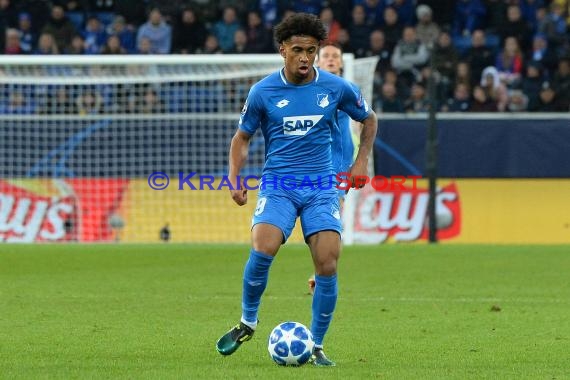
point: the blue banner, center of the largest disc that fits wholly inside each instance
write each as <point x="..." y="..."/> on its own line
<point x="501" y="148"/>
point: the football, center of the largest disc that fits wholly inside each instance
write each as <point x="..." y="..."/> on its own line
<point x="291" y="343"/>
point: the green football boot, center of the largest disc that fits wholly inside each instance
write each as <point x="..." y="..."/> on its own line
<point x="320" y="359"/>
<point x="231" y="341"/>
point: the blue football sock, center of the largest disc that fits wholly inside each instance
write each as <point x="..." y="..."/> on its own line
<point x="324" y="302"/>
<point x="254" y="282"/>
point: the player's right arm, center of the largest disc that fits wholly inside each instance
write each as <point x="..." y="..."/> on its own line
<point x="239" y="149"/>
<point x="249" y="121"/>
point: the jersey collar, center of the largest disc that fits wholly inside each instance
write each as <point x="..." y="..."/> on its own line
<point x="284" y="80"/>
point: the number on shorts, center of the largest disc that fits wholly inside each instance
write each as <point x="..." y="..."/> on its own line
<point x="260" y="206"/>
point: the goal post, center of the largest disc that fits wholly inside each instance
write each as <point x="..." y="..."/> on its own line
<point x="88" y="142"/>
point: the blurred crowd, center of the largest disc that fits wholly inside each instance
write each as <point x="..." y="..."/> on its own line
<point x="488" y="55"/>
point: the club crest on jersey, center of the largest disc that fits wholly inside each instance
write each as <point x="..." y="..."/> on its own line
<point x="299" y="125"/>
<point x="323" y="100"/>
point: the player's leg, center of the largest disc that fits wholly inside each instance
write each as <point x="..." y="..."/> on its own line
<point x="325" y="250"/>
<point x="266" y="239"/>
<point x="322" y="228"/>
<point x="273" y="222"/>
<point x="311" y="281"/>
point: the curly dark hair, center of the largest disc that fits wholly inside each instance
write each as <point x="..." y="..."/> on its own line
<point x="300" y="24"/>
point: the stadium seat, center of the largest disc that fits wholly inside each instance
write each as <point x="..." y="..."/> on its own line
<point x="106" y="18"/>
<point x="77" y="18"/>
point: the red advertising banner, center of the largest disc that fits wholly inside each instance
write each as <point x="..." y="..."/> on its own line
<point x="400" y="214"/>
<point x="56" y="210"/>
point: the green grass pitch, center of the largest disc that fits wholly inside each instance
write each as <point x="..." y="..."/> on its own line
<point x="404" y="312"/>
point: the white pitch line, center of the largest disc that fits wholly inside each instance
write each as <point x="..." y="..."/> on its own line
<point x="352" y="299"/>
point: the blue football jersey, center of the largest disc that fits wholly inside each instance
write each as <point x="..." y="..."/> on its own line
<point x="298" y="121"/>
<point x="342" y="144"/>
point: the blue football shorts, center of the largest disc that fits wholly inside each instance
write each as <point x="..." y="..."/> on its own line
<point x="318" y="209"/>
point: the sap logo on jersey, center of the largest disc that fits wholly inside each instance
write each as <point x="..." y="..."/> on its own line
<point x="299" y="125"/>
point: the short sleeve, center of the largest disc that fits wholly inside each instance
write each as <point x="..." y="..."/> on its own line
<point x="251" y="113"/>
<point x="353" y="103"/>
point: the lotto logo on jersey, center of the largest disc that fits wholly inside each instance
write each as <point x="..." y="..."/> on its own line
<point x="299" y="125"/>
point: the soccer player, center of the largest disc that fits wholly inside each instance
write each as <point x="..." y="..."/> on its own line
<point x="296" y="109"/>
<point x="330" y="59"/>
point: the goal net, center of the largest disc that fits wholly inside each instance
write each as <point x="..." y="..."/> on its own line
<point x="126" y="148"/>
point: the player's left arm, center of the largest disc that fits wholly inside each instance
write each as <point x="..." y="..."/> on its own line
<point x="367" y="136"/>
<point x="358" y="109"/>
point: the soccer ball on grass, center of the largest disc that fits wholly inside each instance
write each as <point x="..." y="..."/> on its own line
<point x="291" y="343"/>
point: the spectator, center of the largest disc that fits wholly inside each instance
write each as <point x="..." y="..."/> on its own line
<point x="27" y="36"/>
<point x="518" y="101"/>
<point x="426" y="29"/>
<point x="445" y="57"/>
<point x="60" y="28"/>
<point x="379" y="49"/>
<point x="516" y="27"/>
<point x="442" y="11"/>
<point x="59" y="102"/>
<point x="469" y="15"/>
<point x="331" y="25"/>
<point x="39" y="12"/>
<point x="494" y="88"/>
<point x="389" y="101"/>
<point x="565" y="6"/>
<point x="77" y="46"/>
<point x="409" y="56"/>
<point x="46" y="45"/>
<point x="463" y="74"/>
<point x="404" y="9"/>
<point x="240" y="43"/>
<point x="402" y="90"/>
<point x="344" y="41"/>
<point x="225" y="29"/>
<point x="548" y="101"/>
<point x="94" y="36"/>
<point x="510" y="62"/>
<point x="259" y="38"/>
<point x="18" y="104"/>
<point x="374" y="12"/>
<point x="392" y="27"/>
<point x="144" y="46"/>
<point x="211" y="46"/>
<point x="541" y="53"/>
<point x="189" y="33"/>
<point x="150" y="103"/>
<point x="561" y="83"/>
<point x="460" y="102"/>
<point x="12" y="45"/>
<point x="418" y="100"/>
<point x="532" y="83"/>
<point x="113" y="46"/>
<point x="481" y="102"/>
<point x="553" y="25"/>
<point x="157" y="31"/>
<point x="479" y="55"/>
<point x="89" y="103"/>
<point x="359" y="32"/>
<point x="124" y="32"/>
